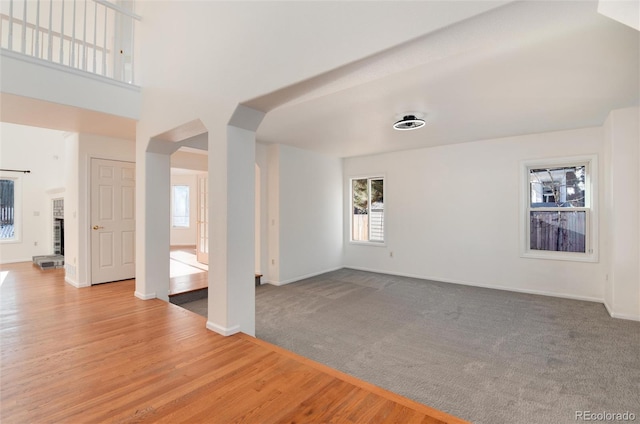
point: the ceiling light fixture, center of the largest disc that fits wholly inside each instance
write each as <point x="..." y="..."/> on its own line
<point x="409" y="122"/>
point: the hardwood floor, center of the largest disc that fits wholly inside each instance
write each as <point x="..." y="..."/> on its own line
<point x="187" y="275"/>
<point x="99" y="354"/>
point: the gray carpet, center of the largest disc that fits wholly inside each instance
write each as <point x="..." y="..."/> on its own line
<point x="487" y="356"/>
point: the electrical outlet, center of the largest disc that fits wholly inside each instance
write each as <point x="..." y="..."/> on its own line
<point x="273" y="261"/>
<point x="35" y="243"/>
<point x="391" y="254"/>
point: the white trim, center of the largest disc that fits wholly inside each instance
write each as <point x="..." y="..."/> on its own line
<point x="144" y="296"/>
<point x="74" y="283"/>
<point x="68" y="69"/>
<point x="222" y="330"/>
<point x="368" y="177"/>
<point x="15" y="261"/>
<point x="620" y="316"/>
<point x="302" y="277"/>
<point x="485" y="286"/>
<point x="591" y="207"/>
<point x="368" y="243"/>
<point x="626" y="316"/>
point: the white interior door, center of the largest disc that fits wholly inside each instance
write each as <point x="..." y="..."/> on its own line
<point x="202" y="244"/>
<point x="112" y="220"/>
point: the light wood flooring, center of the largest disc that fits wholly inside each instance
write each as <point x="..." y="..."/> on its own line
<point x="99" y="354"/>
<point x="187" y="275"/>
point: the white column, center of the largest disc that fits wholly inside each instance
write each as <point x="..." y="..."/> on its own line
<point x="232" y="226"/>
<point x="153" y="279"/>
<point x="623" y="154"/>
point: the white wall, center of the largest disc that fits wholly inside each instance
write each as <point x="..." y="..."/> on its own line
<point x="622" y="145"/>
<point x="71" y="207"/>
<point x="248" y="36"/>
<point x="262" y="223"/>
<point x="81" y="148"/>
<point x="452" y="214"/>
<point x="42" y="152"/>
<point x="186" y="236"/>
<point x="67" y="86"/>
<point x="307" y="188"/>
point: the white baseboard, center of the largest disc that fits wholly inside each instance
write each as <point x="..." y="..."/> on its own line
<point x="613" y="314"/>
<point x="15" y="261"/>
<point x="223" y="330"/>
<point x="626" y="316"/>
<point x="486" y="286"/>
<point x="302" y="277"/>
<point x="145" y="296"/>
<point x="74" y="283"/>
<point x="608" y="308"/>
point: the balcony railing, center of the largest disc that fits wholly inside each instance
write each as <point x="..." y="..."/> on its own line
<point x="95" y="36"/>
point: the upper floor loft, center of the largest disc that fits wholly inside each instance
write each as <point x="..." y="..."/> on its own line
<point x="76" y="54"/>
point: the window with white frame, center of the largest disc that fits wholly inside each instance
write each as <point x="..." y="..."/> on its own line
<point x="559" y="209"/>
<point x="10" y="209"/>
<point x="367" y="209"/>
<point x="180" y="206"/>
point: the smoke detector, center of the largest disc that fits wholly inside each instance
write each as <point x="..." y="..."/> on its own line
<point x="410" y="121"/>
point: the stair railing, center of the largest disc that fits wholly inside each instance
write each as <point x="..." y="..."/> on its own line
<point x="95" y="36"/>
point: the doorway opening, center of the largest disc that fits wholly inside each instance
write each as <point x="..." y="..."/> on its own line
<point x="189" y="241"/>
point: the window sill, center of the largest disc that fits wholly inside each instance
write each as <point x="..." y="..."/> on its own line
<point x="368" y="243"/>
<point x="560" y="256"/>
<point x="10" y="241"/>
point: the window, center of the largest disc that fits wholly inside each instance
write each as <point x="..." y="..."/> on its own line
<point x="367" y="210"/>
<point x="180" y="206"/>
<point x="559" y="209"/>
<point x="9" y="209"/>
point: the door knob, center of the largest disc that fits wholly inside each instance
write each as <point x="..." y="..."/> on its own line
<point x="97" y="227"/>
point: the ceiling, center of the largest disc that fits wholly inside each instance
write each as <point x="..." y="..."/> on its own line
<point x="517" y="67"/>
<point x="43" y="114"/>
<point x="527" y="67"/>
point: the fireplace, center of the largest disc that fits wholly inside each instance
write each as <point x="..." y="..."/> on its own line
<point x="58" y="236"/>
<point x="58" y="227"/>
<point x="57" y="259"/>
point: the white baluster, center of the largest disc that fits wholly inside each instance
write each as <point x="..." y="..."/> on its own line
<point x="23" y="48"/>
<point x="131" y="47"/>
<point x="84" y="39"/>
<point x="50" y="44"/>
<point x="37" y="52"/>
<point x="104" y="47"/>
<point x="62" y="34"/>
<point x="72" y="58"/>
<point x="95" y="34"/>
<point x="116" y="53"/>
<point x="10" y="24"/>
